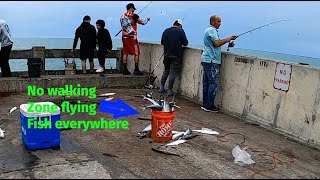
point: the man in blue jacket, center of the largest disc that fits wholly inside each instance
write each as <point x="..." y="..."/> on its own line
<point x="173" y="39"/>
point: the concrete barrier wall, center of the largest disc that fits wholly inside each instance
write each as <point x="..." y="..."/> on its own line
<point x="246" y="90"/>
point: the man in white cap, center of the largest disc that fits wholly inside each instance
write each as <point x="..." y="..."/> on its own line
<point x="172" y="39"/>
<point x="5" y="48"/>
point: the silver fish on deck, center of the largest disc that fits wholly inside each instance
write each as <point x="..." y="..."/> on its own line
<point x="13" y="109"/>
<point x="106" y="94"/>
<point x="1" y="133"/>
<point x="151" y="100"/>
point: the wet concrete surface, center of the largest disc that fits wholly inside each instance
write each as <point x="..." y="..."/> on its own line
<point x="118" y="153"/>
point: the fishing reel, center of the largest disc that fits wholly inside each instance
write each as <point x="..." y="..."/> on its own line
<point x="230" y="45"/>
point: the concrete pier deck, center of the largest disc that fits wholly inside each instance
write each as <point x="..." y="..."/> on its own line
<point x="118" y="153"/>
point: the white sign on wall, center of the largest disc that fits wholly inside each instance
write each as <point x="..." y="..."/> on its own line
<point x="282" y="76"/>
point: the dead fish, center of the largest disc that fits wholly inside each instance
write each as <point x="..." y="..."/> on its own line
<point x="149" y="95"/>
<point x="151" y="100"/>
<point x="145" y="134"/>
<point x="13" y="109"/>
<point x="207" y="131"/>
<point x="1" y="133"/>
<point x="188" y="132"/>
<point x="177" y="135"/>
<point x="153" y="106"/>
<point x="174" y="143"/>
<point x="107" y="94"/>
<point x="148" y="128"/>
<point x="175" y="132"/>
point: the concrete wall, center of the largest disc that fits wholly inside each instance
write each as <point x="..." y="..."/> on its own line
<point x="246" y="90"/>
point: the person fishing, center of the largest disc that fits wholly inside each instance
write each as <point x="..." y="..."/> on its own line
<point x="129" y="38"/>
<point x="104" y="43"/>
<point x="211" y="61"/>
<point x="172" y="39"/>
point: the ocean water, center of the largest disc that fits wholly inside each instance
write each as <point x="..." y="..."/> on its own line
<point x="66" y="43"/>
<point x="54" y="43"/>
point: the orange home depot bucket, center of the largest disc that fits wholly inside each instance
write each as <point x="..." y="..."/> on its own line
<point x="162" y="125"/>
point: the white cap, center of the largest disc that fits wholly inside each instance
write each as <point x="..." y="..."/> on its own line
<point x="179" y="21"/>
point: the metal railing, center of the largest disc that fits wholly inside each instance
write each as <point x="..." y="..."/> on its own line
<point x="43" y="53"/>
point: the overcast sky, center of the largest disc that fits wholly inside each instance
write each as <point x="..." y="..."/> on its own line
<point x="59" y="19"/>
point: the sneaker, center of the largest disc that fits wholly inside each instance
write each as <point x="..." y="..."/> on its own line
<point x="100" y="70"/>
<point x="213" y="109"/>
<point x="170" y="93"/>
<point x="161" y="90"/>
<point x="137" y="72"/>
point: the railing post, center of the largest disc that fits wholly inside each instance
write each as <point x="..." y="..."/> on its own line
<point x="39" y="52"/>
<point x="120" y="60"/>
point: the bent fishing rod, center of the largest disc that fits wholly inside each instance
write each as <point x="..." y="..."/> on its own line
<point x="138" y="14"/>
<point x="231" y="43"/>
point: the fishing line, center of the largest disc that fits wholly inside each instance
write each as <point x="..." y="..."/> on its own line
<point x="231" y="43"/>
<point x="261" y="152"/>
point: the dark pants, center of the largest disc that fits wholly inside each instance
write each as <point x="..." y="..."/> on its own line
<point x="172" y="67"/>
<point x="4" y="61"/>
<point x="102" y="58"/>
<point x="86" y="53"/>
<point x="210" y="83"/>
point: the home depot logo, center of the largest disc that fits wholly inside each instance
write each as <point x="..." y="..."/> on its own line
<point x="164" y="129"/>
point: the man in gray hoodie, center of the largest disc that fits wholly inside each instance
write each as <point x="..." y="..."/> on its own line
<point x="5" y="48"/>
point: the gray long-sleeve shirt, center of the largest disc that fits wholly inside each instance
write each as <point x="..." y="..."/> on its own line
<point x="5" y="35"/>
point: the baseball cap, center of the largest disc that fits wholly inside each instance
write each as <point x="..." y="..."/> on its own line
<point x="179" y="21"/>
<point x="131" y="5"/>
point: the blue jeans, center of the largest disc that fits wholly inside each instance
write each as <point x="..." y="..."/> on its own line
<point x="210" y="83"/>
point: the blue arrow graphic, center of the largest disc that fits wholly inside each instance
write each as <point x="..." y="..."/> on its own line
<point x="118" y="108"/>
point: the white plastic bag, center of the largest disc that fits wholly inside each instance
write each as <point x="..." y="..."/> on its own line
<point x="241" y="156"/>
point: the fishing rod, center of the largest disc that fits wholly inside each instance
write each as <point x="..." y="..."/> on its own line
<point x="138" y="14"/>
<point x="231" y="43"/>
<point x="152" y="78"/>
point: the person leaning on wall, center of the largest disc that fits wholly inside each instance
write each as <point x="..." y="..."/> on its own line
<point x="211" y="61"/>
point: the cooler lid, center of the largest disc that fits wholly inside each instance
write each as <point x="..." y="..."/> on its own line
<point x="24" y="109"/>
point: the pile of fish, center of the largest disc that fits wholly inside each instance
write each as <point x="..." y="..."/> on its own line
<point x="161" y="105"/>
<point x="177" y="136"/>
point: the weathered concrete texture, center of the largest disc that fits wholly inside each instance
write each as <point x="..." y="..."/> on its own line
<point x="118" y="153"/>
<point x="246" y="90"/>
<point x="16" y="84"/>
